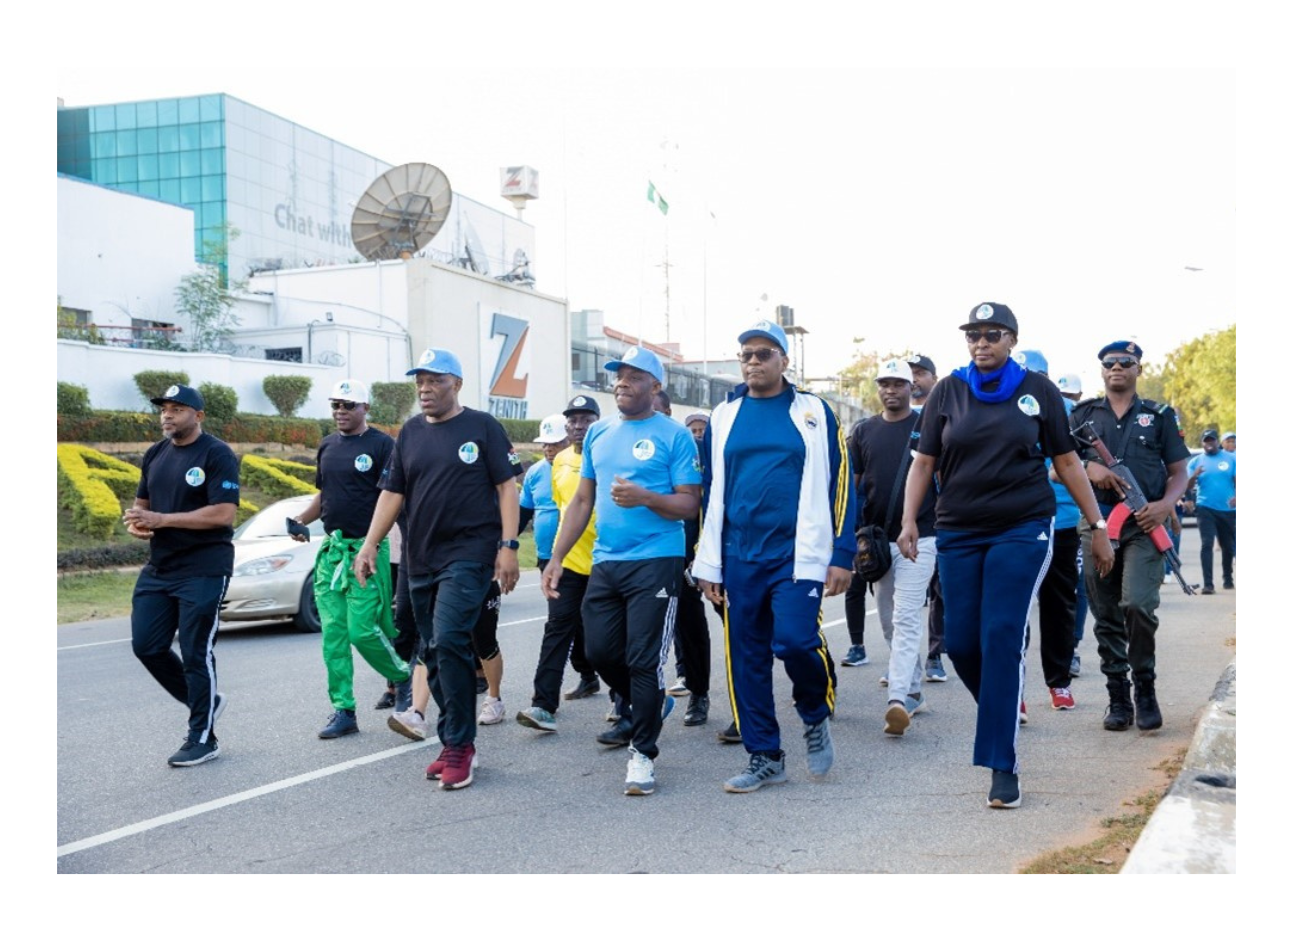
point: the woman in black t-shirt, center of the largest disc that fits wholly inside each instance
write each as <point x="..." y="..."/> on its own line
<point x="986" y="431"/>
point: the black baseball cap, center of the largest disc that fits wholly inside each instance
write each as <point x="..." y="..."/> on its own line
<point x="923" y="361"/>
<point x="582" y="402"/>
<point x="992" y="313"/>
<point x="1208" y="434"/>
<point x="182" y="394"/>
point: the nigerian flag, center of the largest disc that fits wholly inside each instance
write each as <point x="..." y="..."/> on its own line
<point x="657" y="198"/>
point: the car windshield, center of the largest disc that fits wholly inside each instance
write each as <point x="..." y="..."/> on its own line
<point x="271" y="522"/>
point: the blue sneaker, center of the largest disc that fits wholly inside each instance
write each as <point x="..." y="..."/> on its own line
<point x="403" y="695"/>
<point x="821" y="752"/>
<point x="667" y="708"/>
<point x="915" y="704"/>
<point x="856" y="657"/>
<point x="536" y="717"/>
<point x="340" y="723"/>
<point x="934" y="671"/>
<point x="762" y="770"/>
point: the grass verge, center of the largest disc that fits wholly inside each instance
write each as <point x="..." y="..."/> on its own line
<point x="93" y="596"/>
<point x="1108" y="852"/>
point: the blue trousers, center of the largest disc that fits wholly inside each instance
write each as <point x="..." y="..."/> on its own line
<point x="771" y="615"/>
<point x="989" y="580"/>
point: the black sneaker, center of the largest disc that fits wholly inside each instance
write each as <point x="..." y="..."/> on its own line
<point x="1005" y="790"/>
<point x="730" y="735"/>
<point x="387" y="701"/>
<point x="619" y="735"/>
<point x="1208" y="590"/>
<point x="194" y="753"/>
<point x="340" y="723"/>
<point x="482" y="685"/>
<point x="1228" y="585"/>
<point x="697" y="711"/>
<point x="586" y="686"/>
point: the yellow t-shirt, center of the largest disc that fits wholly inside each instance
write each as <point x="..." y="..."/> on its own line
<point x="566" y="468"/>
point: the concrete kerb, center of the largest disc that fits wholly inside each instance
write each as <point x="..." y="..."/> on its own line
<point x="1192" y="831"/>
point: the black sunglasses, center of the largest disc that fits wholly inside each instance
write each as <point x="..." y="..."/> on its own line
<point x="1124" y="361"/>
<point x="993" y="335"/>
<point x="762" y="354"/>
<point x="344" y="405"/>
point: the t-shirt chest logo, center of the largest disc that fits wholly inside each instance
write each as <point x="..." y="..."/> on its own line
<point x="810" y="420"/>
<point x="1028" y="404"/>
<point x="1145" y="420"/>
<point x="469" y="453"/>
<point x="644" y="449"/>
<point x="195" y="476"/>
<point x="1223" y="466"/>
<point x="363" y="463"/>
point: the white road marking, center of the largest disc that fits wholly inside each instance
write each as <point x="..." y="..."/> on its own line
<point x="214" y="805"/>
<point x="121" y="640"/>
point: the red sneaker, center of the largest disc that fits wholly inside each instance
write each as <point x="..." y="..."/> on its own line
<point x="1023" y="712"/>
<point x="1062" y="698"/>
<point x="459" y="763"/>
<point x="435" y="769"/>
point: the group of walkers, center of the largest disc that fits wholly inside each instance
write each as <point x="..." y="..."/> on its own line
<point x="974" y="484"/>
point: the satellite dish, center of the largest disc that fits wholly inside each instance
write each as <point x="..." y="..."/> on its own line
<point x="401" y="211"/>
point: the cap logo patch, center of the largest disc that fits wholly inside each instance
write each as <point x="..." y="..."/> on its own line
<point x="469" y="453"/>
<point x="644" y="449"/>
<point x="1145" y="420"/>
<point x="1028" y="404"/>
<point x="631" y="353"/>
<point x="580" y="401"/>
<point x="428" y="356"/>
<point x="1020" y="359"/>
<point x="983" y="312"/>
<point x="195" y="476"/>
<point x="363" y="463"/>
<point x="173" y="390"/>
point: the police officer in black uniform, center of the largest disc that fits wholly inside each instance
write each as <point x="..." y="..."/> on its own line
<point x="1144" y="435"/>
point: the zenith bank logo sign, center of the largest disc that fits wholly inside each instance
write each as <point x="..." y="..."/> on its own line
<point x="510" y="335"/>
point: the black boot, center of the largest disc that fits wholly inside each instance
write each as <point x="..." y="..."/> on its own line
<point x="1147" y="712"/>
<point x="1120" y="712"/>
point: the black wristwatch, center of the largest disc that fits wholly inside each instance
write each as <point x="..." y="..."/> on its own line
<point x="512" y="544"/>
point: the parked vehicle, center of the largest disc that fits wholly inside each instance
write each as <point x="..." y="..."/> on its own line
<point x="273" y="574"/>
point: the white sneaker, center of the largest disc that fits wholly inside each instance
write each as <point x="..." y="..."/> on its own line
<point x="640" y="779"/>
<point x="679" y="688"/>
<point x="408" y="723"/>
<point x="491" y="712"/>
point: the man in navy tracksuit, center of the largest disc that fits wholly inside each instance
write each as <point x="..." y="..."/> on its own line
<point x="776" y="537"/>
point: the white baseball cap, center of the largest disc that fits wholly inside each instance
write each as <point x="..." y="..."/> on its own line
<point x="349" y="390"/>
<point x="895" y="368"/>
<point x="552" y="429"/>
<point x="1070" y="384"/>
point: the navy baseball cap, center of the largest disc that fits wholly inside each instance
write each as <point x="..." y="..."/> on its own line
<point x="769" y="330"/>
<point x="1122" y="348"/>
<point x="923" y="361"/>
<point x="182" y="394"/>
<point x="991" y="313"/>
<point x="583" y="403"/>
<point x="1208" y="434"/>
<point x="437" y="361"/>
<point x="639" y="358"/>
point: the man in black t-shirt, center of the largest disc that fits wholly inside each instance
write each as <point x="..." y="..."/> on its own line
<point x="880" y="454"/>
<point x="456" y="470"/>
<point x="1144" y="435"/>
<point x="185" y="507"/>
<point x="348" y="475"/>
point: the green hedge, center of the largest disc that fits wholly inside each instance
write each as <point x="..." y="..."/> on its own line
<point x="73" y="399"/>
<point x="392" y="402"/>
<point x="153" y="384"/>
<point x="105" y="556"/>
<point x="520" y="431"/>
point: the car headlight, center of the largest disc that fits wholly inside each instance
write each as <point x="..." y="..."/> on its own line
<point x="262" y="566"/>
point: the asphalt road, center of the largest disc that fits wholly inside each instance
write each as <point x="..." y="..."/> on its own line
<point x="279" y="800"/>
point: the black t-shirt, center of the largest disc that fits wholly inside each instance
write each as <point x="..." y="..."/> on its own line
<point x="990" y="457"/>
<point x="349" y="476"/>
<point x="876" y="451"/>
<point x="448" y="474"/>
<point x="185" y="479"/>
<point x="1152" y="441"/>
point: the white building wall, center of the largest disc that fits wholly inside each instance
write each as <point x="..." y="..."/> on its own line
<point x="120" y="255"/>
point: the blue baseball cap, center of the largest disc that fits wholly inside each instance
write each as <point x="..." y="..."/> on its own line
<point x="769" y="330"/>
<point x="1033" y="360"/>
<point x="437" y="361"/>
<point x="639" y="358"/>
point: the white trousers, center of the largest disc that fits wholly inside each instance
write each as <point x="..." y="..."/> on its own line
<point x="900" y="601"/>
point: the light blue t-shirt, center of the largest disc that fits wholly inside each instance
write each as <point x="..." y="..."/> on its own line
<point x="658" y="454"/>
<point x="1215" y="486"/>
<point x="536" y="494"/>
<point x="1067" y="513"/>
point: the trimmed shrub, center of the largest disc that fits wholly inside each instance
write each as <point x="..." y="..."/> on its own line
<point x="278" y="478"/>
<point x="221" y="401"/>
<point x="287" y="392"/>
<point x="153" y="384"/>
<point x="392" y="402"/>
<point x="257" y="428"/>
<point x="520" y="431"/>
<point x="121" y="477"/>
<point x="105" y="556"/>
<point x="73" y="400"/>
<point x="95" y="508"/>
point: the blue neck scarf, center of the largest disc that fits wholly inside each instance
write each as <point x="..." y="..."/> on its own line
<point x="1010" y="375"/>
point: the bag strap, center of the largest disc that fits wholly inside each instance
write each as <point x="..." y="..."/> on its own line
<point x="898" y="483"/>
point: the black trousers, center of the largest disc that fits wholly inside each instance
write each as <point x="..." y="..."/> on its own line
<point x="629" y="610"/>
<point x="692" y="636"/>
<point x="1219" y="525"/>
<point x="855" y="609"/>
<point x="935" y="616"/>
<point x="565" y="624"/>
<point x="1057" y="608"/>
<point x="187" y="608"/>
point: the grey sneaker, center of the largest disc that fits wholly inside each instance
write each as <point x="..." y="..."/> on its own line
<point x="491" y="712"/>
<point x="679" y="688"/>
<point x="934" y="671"/>
<point x="408" y="723"/>
<point x="194" y="753"/>
<point x="896" y="720"/>
<point x="340" y="723"/>
<point x="536" y="717"/>
<point x="1075" y="668"/>
<point x="821" y="752"/>
<point x="640" y="779"/>
<point x="762" y="770"/>
<point x="403" y="695"/>
<point x="856" y="657"/>
<point x="915" y="703"/>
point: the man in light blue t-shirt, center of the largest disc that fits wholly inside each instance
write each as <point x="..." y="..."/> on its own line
<point x="536" y="489"/>
<point x="642" y="478"/>
<point x="1212" y="472"/>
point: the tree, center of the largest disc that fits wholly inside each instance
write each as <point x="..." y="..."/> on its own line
<point x="1199" y="381"/>
<point x="858" y="378"/>
<point x="206" y="297"/>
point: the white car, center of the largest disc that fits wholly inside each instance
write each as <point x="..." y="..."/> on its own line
<point x="273" y="574"/>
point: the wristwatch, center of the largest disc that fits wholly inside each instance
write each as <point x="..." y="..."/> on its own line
<point x="1100" y="524"/>
<point x="509" y="544"/>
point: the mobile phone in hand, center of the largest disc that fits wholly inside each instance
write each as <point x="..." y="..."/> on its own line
<point x="295" y="528"/>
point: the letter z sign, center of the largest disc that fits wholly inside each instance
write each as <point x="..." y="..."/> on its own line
<point x="507" y="380"/>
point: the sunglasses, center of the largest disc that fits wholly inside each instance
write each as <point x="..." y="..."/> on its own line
<point x="344" y="405"/>
<point x="757" y="354"/>
<point x="993" y="335"/>
<point x="1123" y="362"/>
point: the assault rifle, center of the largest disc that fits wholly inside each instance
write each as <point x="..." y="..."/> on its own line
<point x="1133" y="500"/>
